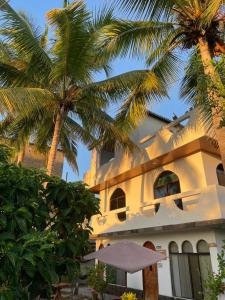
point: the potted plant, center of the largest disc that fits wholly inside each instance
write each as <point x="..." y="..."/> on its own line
<point x="97" y="280"/>
<point x="129" y="296"/>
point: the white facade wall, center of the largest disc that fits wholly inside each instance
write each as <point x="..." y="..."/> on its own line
<point x="161" y="242"/>
<point x="203" y="199"/>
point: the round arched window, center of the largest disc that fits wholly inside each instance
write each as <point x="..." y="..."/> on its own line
<point x="168" y="184"/>
<point x="202" y="247"/>
<point x="187" y="247"/>
<point x="220" y="175"/>
<point x="118" y="200"/>
<point x="173" y="248"/>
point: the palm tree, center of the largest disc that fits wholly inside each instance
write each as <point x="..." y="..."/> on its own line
<point x="171" y="26"/>
<point x="48" y="92"/>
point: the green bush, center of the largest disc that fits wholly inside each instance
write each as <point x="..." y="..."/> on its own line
<point x="216" y="281"/>
<point x="98" y="278"/>
<point x="44" y="230"/>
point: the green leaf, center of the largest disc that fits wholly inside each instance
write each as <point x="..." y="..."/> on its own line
<point x="12" y="258"/>
<point x="7" y="236"/>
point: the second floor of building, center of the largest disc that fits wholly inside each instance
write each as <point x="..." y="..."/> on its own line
<point x="188" y="190"/>
<point x="179" y="182"/>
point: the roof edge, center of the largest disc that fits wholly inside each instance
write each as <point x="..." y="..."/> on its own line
<point x="156" y="116"/>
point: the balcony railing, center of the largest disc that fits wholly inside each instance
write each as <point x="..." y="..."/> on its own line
<point x="188" y="200"/>
<point x="198" y="205"/>
<point x="170" y="137"/>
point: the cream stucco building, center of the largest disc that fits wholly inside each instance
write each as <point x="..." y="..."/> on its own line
<point x="168" y="196"/>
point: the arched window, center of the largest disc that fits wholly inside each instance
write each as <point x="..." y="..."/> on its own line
<point x="220" y="175"/>
<point x="189" y="270"/>
<point x="174" y="268"/>
<point x="118" y="200"/>
<point x="202" y="247"/>
<point x="168" y="184"/>
<point x="204" y="262"/>
<point x="187" y="247"/>
<point x="107" y="153"/>
<point x="173" y="248"/>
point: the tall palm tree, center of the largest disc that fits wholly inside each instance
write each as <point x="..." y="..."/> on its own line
<point x="170" y="26"/>
<point x="51" y="94"/>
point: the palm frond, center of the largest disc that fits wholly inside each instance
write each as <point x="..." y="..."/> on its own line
<point x="194" y="83"/>
<point x="124" y="37"/>
<point x="212" y="9"/>
<point x="101" y="18"/>
<point x="69" y="148"/>
<point x="77" y="132"/>
<point x="21" y="99"/>
<point x="17" y="29"/>
<point x="147" y="8"/>
<point x="118" y="87"/>
<point x="134" y="108"/>
<point x="71" y="47"/>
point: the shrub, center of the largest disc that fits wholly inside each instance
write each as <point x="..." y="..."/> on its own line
<point x="98" y="279"/>
<point x="44" y="229"/>
<point x="216" y="281"/>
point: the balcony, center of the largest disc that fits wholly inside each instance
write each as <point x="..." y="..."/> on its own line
<point x="182" y="137"/>
<point x="207" y="204"/>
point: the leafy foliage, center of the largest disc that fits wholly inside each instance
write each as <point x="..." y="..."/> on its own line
<point x="49" y="89"/>
<point x="5" y="153"/>
<point x="72" y="206"/>
<point x="215" y="284"/>
<point x="98" y="278"/>
<point x="168" y="28"/>
<point x="43" y="230"/>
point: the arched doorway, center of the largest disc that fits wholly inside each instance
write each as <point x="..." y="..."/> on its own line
<point x="150" y="278"/>
<point x="100" y="246"/>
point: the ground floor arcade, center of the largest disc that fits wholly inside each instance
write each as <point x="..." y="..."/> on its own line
<point x="190" y="256"/>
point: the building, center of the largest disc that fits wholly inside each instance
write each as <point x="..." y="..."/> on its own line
<point x="169" y="196"/>
<point x="35" y="159"/>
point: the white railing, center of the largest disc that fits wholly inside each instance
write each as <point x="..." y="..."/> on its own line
<point x="111" y="213"/>
<point x="203" y="204"/>
<point x="149" y="147"/>
<point x="186" y="197"/>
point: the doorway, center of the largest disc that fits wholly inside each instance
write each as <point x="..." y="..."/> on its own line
<point x="150" y="278"/>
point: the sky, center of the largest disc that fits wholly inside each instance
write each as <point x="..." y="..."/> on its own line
<point x="37" y="10"/>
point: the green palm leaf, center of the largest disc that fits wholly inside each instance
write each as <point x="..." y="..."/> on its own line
<point x="19" y="31"/>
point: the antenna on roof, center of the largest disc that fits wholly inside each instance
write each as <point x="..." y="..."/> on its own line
<point x="174" y="117"/>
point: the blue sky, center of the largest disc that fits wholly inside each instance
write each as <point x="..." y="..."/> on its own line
<point x="37" y="9"/>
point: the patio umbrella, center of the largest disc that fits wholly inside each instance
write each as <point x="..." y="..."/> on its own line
<point x="127" y="256"/>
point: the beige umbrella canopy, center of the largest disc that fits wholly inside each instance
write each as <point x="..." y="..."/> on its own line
<point x="127" y="256"/>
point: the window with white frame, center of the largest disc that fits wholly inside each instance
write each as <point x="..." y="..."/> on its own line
<point x="118" y="200"/>
<point x="167" y="184"/>
<point x="189" y="270"/>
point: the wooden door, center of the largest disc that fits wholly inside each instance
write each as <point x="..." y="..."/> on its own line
<point x="150" y="278"/>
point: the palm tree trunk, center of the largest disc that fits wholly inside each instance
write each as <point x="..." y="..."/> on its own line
<point x="218" y="101"/>
<point x="55" y="142"/>
<point x="21" y="154"/>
